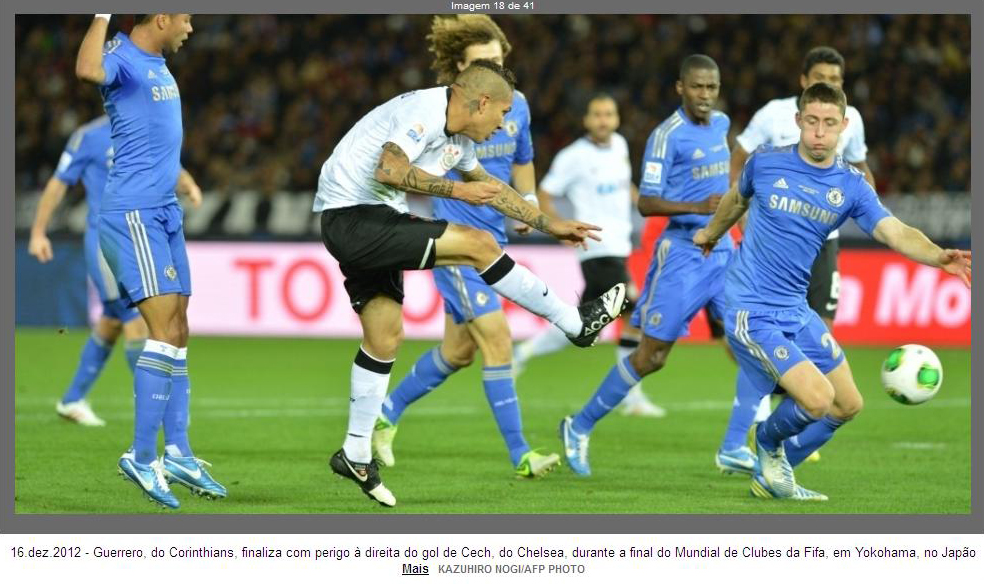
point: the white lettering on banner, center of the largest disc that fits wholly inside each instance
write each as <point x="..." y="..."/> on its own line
<point x="952" y="307"/>
<point x="920" y="300"/>
<point x="850" y="301"/>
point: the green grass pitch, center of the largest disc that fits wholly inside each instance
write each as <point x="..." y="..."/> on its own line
<point x="268" y="412"/>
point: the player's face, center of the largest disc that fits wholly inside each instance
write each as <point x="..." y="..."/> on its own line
<point x="490" y="118"/>
<point x="823" y="73"/>
<point x="176" y="30"/>
<point x="699" y="89"/>
<point x="491" y="50"/>
<point x="820" y="125"/>
<point x="601" y="119"/>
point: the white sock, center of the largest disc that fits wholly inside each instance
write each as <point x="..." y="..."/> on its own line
<point x="764" y="409"/>
<point x="370" y="378"/>
<point x="549" y="340"/>
<point x="635" y="394"/>
<point x="527" y="290"/>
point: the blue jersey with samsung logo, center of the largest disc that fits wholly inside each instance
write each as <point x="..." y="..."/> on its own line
<point x="88" y="157"/>
<point x="793" y="207"/>
<point x="510" y="145"/>
<point x="144" y="107"/>
<point x="687" y="162"/>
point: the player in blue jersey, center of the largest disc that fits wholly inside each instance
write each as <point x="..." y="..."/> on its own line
<point x="474" y="319"/>
<point x="795" y="196"/>
<point x="88" y="157"/>
<point x="141" y="237"/>
<point x="684" y="173"/>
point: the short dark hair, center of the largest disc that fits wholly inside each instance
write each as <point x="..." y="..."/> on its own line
<point x="818" y="55"/>
<point x="143" y="18"/>
<point x="823" y="93"/>
<point x="696" y="61"/>
<point x="598" y="96"/>
<point x="496" y="68"/>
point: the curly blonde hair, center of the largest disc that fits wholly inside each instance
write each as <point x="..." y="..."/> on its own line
<point x="451" y="35"/>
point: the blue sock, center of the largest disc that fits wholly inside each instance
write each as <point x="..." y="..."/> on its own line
<point x="427" y="373"/>
<point x="500" y="390"/>
<point x="133" y="350"/>
<point x="151" y="389"/>
<point x="747" y="398"/>
<point x="176" y="413"/>
<point x="619" y="381"/>
<point x="815" y="435"/>
<point x="786" y="420"/>
<point x="94" y="355"/>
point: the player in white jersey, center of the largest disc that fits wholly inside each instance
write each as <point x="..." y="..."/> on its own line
<point x="594" y="172"/>
<point x="775" y="125"/>
<point x="408" y="144"/>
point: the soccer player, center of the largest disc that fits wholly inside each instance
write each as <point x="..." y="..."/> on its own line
<point x="141" y="237"/>
<point x="88" y="157"/>
<point x="595" y="174"/>
<point x="795" y="196"/>
<point x="684" y="172"/>
<point x="474" y="318"/>
<point x="775" y="125"/>
<point x="408" y="144"/>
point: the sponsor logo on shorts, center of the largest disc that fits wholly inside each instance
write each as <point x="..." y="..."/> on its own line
<point x="171" y="273"/>
<point x="481" y="298"/>
<point x="655" y="318"/>
<point x="781" y="353"/>
<point x="835" y="197"/>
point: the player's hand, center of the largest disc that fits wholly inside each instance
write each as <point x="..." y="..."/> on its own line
<point x="574" y="231"/>
<point x="194" y="194"/>
<point x="956" y="262"/>
<point x="522" y="228"/>
<point x="709" y="205"/>
<point x="477" y="192"/>
<point x="703" y="240"/>
<point x="40" y="247"/>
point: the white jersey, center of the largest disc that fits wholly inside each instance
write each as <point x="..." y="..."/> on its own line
<point x="413" y="121"/>
<point x="598" y="181"/>
<point x="775" y="125"/>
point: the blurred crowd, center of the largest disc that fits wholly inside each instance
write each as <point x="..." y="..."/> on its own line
<point x="266" y="98"/>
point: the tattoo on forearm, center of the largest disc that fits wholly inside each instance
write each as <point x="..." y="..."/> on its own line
<point x="393" y="163"/>
<point x="512" y="205"/>
<point x="421" y="182"/>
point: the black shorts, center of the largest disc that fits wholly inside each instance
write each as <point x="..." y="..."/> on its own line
<point x="374" y="244"/>
<point x="825" y="281"/>
<point x="600" y="274"/>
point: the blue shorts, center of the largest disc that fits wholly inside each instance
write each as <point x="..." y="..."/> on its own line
<point x="768" y="343"/>
<point x="466" y="295"/>
<point x="145" y="250"/>
<point x="104" y="281"/>
<point x="679" y="283"/>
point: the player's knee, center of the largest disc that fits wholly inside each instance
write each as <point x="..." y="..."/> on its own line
<point x="847" y="409"/>
<point x="459" y="357"/>
<point x="819" y="399"/>
<point x="646" y="362"/>
<point x="483" y="249"/>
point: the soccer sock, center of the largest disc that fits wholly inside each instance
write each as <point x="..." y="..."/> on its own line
<point x="815" y="435"/>
<point x="549" y="340"/>
<point x="370" y="376"/>
<point x="151" y="389"/>
<point x="428" y="372"/>
<point x="620" y="379"/>
<point x="176" y="412"/>
<point x="786" y="420"/>
<point x="133" y="349"/>
<point x="747" y="399"/>
<point x="763" y="408"/>
<point x="500" y="390"/>
<point x="94" y="355"/>
<point x="625" y="347"/>
<point x="523" y="287"/>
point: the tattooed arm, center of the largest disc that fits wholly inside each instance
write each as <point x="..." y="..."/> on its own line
<point x="509" y="202"/>
<point x="394" y="169"/>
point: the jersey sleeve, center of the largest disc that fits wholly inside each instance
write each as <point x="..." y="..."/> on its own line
<point x="657" y="162"/>
<point x="867" y="210"/>
<point x="757" y="132"/>
<point x="73" y="160"/>
<point x="746" y="186"/>
<point x="412" y="129"/>
<point x="560" y="175"/>
<point x="468" y="160"/>
<point x="856" y="150"/>
<point x="113" y="63"/>
<point x="524" y="140"/>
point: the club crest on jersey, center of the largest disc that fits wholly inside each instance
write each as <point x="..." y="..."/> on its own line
<point x="481" y="299"/>
<point x="451" y="156"/>
<point x="781" y="353"/>
<point x="835" y="197"/>
<point x="171" y="273"/>
<point x="511" y="128"/>
<point x="416" y="132"/>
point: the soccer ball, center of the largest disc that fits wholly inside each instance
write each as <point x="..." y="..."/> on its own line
<point x="912" y="374"/>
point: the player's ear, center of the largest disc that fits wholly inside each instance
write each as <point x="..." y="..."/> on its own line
<point x="803" y="82"/>
<point x="679" y="87"/>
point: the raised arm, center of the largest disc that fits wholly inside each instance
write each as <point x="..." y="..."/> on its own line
<point x="89" y="63"/>
<point x="914" y="245"/>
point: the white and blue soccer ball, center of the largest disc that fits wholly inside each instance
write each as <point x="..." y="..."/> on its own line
<point x="912" y="374"/>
